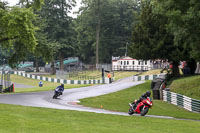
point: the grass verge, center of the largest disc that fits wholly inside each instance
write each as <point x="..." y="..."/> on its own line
<point x="122" y="74"/>
<point x="33" y="82"/>
<point x="188" y="86"/>
<point x="151" y="72"/>
<point x="19" y="119"/>
<point x="118" y="101"/>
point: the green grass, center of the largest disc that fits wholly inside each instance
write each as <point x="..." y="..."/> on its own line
<point x="151" y="72"/>
<point x="33" y="82"/>
<point x="122" y="74"/>
<point x="19" y="119"/>
<point x="188" y="86"/>
<point x="118" y="101"/>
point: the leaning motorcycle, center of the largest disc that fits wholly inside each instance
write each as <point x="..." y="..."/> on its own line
<point x="56" y="94"/>
<point x="142" y="107"/>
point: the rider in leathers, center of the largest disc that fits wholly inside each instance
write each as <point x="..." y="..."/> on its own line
<point x="144" y="96"/>
<point x="60" y="88"/>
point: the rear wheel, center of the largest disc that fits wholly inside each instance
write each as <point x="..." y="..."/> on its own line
<point x="144" y="112"/>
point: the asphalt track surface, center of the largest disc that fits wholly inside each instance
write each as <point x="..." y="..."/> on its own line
<point x="71" y="96"/>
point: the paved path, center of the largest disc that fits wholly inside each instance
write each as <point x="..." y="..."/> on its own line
<point x="70" y="96"/>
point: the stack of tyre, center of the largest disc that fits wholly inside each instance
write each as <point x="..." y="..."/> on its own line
<point x="157" y="85"/>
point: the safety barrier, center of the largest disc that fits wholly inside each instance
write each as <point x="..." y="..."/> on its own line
<point x="145" y="77"/>
<point x="182" y="101"/>
<point x="58" y="80"/>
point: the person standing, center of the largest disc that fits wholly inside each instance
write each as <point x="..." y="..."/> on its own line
<point x="109" y="77"/>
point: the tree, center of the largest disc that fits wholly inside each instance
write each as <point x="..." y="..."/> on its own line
<point x="59" y="26"/>
<point x="104" y="28"/>
<point x="37" y="4"/>
<point x="183" y="24"/>
<point x="152" y="40"/>
<point x="17" y="31"/>
<point x="42" y="46"/>
<point x="98" y="26"/>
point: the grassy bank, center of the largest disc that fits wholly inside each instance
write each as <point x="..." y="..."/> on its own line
<point x="189" y="86"/>
<point x="118" y="101"/>
<point x="19" y="119"/>
<point x="119" y="74"/>
<point x="151" y="72"/>
<point x="34" y="82"/>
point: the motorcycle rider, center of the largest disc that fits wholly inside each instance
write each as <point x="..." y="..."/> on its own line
<point x="144" y="96"/>
<point x="60" y="88"/>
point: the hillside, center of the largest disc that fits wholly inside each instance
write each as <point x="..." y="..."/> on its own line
<point x="188" y="86"/>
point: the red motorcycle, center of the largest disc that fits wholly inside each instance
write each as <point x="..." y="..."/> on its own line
<point x="142" y="107"/>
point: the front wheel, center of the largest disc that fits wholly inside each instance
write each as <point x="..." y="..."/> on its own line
<point x="54" y="96"/>
<point x="144" y="112"/>
<point x="130" y="111"/>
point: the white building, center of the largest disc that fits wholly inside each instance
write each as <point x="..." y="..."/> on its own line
<point x="130" y="64"/>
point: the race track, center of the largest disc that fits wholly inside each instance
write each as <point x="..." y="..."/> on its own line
<point x="71" y="96"/>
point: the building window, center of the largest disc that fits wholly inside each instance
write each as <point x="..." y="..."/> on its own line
<point x="138" y="62"/>
<point x="121" y="62"/>
<point x="124" y="62"/>
<point x="145" y="62"/>
<point x="133" y="62"/>
<point x="127" y="62"/>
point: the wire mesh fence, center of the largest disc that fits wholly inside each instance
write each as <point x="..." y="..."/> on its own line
<point x="5" y="81"/>
<point x="79" y="75"/>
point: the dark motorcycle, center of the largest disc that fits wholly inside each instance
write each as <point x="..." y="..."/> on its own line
<point x="142" y="107"/>
<point x="56" y="94"/>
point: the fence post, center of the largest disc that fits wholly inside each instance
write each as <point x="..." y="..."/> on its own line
<point x="103" y="78"/>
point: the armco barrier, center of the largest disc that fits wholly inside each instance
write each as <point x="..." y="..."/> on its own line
<point x="182" y="101"/>
<point x="58" y="80"/>
<point x="145" y="77"/>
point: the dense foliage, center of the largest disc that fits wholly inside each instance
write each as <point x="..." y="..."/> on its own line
<point x="17" y="32"/>
<point x="58" y="29"/>
<point x="165" y="29"/>
<point x="113" y="19"/>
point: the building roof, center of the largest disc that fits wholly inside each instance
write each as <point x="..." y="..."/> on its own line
<point x="122" y="58"/>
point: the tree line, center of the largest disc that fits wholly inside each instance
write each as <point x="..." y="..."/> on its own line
<point x="168" y="30"/>
<point x="43" y="31"/>
<point x="102" y="29"/>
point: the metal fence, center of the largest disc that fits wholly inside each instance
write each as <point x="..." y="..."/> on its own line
<point x="55" y="80"/>
<point x="138" y="67"/>
<point x="145" y="77"/>
<point x="130" y="68"/>
<point x="77" y="75"/>
<point x="182" y="101"/>
<point x="61" y="74"/>
<point x="5" y="81"/>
